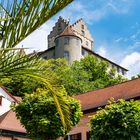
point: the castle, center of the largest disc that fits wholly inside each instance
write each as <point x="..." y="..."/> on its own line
<point x="73" y="42"/>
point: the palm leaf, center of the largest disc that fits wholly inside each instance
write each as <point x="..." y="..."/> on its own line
<point x="14" y="64"/>
<point x="22" y="17"/>
<point x="18" y="19"/>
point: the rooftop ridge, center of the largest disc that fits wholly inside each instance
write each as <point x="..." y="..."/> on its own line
<point x="126" y="90"/>
<point x="108" y="86"/>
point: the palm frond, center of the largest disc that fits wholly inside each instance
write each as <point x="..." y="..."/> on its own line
<point x="18" y="19"/>
<point x="22" y="17"/>
<point x="14" y="64"/>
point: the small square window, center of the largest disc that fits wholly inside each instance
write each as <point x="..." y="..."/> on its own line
<point x="83" y="52"/>
<point x="75" y="136"/>
<point x="45" y="57"/>
<point x="57" y="42"/>
<point x="66" y="40"/>
<point x="86" y="43"/>
<point x="59" y="25"/>
<point x="83" y="33"/>
<point x="118" y="69"/>
<point x="66" y="55"/>
<point x="82" y="26"/>
<point x="123" y="72"/>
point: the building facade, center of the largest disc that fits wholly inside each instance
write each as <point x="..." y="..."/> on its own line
<point x="73" y="42"/>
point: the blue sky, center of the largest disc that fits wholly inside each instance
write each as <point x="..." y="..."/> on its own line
<point x="114" y="25"/>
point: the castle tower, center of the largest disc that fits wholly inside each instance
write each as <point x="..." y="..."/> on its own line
<point x="68" y="45"/>
<point x="73" y="42"/>
<point x="59" y="27"/>
<point x="81" y="30"/>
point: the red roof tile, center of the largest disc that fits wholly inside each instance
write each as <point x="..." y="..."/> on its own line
<point x="68" y="32"/>
<point x="18" y="98"/>
<point x="97" y="98"/>
<point x="8" y="121"/>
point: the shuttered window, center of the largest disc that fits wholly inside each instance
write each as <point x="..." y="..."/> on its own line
<point x="74" y="137"/>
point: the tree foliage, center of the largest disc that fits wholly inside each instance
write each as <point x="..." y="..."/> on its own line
<point x="117" y="121"/>
<point x="87" y="74"/>
<point x="38" y="113"/>
<point x="18" y="19"/>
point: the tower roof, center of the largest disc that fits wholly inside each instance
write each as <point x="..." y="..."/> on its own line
<point x="68" y="32"/>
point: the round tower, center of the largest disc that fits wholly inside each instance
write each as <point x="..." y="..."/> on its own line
<point x="68" y="45"/>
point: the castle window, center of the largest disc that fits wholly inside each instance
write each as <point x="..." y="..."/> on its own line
<point x="82" y="26"/>
<point x="113" y="66"/>
<point x="83" y="33"/>
<point x="59" y="29"/>
<point x="66" y="55"/>
<point x="57" y="42"/>
<point x="45" y="57"/>
<point x="83" y="52"/>
<point x="66" y="40"/>
<point x="77" y="41"/>
<point x="118" y="69"/>
<point x="59" y="25"/>
<point x="75" y="136"/>
<point x="123" y="72"/>
<point x="86" y="43"/>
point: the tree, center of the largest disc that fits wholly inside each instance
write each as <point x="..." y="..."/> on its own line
<point x="117" y="121"/>
<point x="37" y="112"/>
<point x="19" y="86"/>
<point x="53" y="70"/>
<point x="89" y="74"/>
<point x="18" y="19"/>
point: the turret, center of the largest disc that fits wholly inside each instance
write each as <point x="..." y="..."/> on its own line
<point x="68" y="45"/>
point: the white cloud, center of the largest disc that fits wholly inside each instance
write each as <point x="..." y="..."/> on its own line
<point x="38" y="39"/>
<point x="102" y="51"/>
<point x="118" y="39"/>
<point x="120" y="7"/>
<point x="132" y="63"/>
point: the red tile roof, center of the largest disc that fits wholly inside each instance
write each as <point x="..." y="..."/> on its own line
<point x="19" y="99"/>
<point x="68" y="32"/>
<point x="97" y="98"/>
<point x="8" y="121"/>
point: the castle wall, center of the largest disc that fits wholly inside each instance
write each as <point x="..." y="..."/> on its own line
<point x="81" y="30"/>
<point x="59" y="27"/>
<point x="71" y="50"/>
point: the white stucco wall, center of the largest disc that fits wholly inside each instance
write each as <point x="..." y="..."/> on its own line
<point x="6" y="102"/>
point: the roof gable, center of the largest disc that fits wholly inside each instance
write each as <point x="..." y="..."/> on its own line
<point x="8" y="121"/>
<point x="6" y="94"/>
